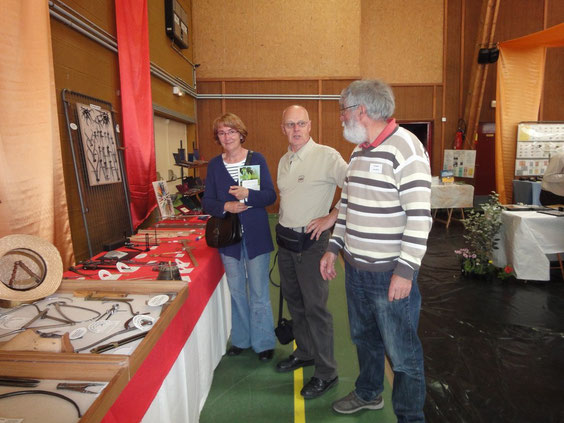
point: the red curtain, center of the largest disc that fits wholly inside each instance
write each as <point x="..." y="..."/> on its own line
<point x="137" y="108"/>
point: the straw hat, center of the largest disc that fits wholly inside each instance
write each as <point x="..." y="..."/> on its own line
<point x="30" y="268"/>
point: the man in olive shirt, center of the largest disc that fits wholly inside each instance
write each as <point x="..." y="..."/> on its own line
<point x="308" y="175"/>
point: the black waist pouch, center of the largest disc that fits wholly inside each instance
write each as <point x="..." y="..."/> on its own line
<point x="291" y="240"/>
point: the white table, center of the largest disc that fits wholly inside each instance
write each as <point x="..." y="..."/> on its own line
<point x="450" y="197"/>
<point x="527" y="238"/>
<point x="185" y="389"/>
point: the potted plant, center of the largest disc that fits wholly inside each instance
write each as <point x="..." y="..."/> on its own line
<point x="481" y="233"/>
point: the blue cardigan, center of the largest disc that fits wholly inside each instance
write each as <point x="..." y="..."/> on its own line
<point x="256" y="230"/>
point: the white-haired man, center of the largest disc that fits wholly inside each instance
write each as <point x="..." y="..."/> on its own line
<point x="382" y="227"/>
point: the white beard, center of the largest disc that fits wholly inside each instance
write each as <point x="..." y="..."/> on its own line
<point x="354" y="132"/>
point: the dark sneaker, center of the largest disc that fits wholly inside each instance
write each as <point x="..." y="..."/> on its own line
<point x="351" y="404"/>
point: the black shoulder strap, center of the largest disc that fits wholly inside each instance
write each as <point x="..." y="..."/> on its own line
<point x="249" y="157"/>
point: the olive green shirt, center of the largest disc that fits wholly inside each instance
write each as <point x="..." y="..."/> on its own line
<point x="307" y="180"/>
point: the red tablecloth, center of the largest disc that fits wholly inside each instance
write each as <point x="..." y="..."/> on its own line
<point x="137" y="396"/>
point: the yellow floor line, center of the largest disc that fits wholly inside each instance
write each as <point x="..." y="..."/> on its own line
<point x="299" y="404"/>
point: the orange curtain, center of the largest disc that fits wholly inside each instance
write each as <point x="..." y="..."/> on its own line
<point x="520" y="78"/>
<point x="32" y="189"/>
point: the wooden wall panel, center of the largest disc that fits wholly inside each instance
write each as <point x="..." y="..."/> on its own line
<point x="292" y="86"/>
<point x="335" y="87"/>
<point x="402" y="40"/>
<point x="161" y="51"/>
<point x="454" y="57"/>
<point x="551" y="108"/>
<point x="414" y="102"/>
<point x="263" y="116"/>
<point x="207" y="111"/>
<point x="436" y="151"/>
<point x="176" y="61"/>
<point x="101" y="12"/>
<point x="83" y="66"/>
<point x="472" y="10"/>
<point x="292" y="38"/>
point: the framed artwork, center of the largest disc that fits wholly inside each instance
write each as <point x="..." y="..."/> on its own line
<point x="98" y="144"/>
<point x="164" y="200"/>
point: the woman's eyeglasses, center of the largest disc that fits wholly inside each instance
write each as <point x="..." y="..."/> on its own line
<point x="231" y="132"/>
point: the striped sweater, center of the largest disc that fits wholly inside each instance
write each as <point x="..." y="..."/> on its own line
<point x="385" y="217"/>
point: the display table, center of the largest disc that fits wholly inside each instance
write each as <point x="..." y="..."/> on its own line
<point x="167" y="375"/>
<point x="525" y="240"/>
<point x="526" y="192"/>
<point x="184" y="391"/>
<point x="173" y="382"/>
<point x="450" y="197"/>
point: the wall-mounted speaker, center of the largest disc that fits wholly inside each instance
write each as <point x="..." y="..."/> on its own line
<point x="176" y="23"/>
<point x="488" y="55"/>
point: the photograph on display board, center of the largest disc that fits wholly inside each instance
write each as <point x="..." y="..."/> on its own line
<point x="164" y="199"/>
<point x="98" y="144"/>
<point x="462" y="163"/>
<point x="536" y="143"/>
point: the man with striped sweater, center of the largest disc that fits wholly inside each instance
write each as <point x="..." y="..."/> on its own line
<point x="382" y="228"/>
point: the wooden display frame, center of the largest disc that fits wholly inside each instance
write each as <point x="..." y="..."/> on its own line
<point x="69" y="366"/>
<point x="113" y="368"/>
<point x="137" y="287"/>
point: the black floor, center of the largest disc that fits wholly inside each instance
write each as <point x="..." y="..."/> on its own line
<point x="494" y="350"/>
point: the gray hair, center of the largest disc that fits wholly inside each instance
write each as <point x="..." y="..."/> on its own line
<point x="375" y="95"/>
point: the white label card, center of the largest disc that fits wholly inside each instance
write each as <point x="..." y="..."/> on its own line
<point x="375" y="167"/>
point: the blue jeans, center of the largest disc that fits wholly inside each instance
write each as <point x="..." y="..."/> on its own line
<point x="252" y="324"/>
<point x="380" y="327"/>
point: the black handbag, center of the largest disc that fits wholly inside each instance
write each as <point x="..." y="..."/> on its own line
<point x="223" y="232"/>
<point x="284" y="331"/>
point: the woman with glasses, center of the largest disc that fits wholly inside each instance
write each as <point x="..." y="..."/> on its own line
<point x="246" y="263"/>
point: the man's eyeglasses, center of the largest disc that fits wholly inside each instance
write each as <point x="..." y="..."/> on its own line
<point x="231" y="132"/>
<point x="344" y="109"/>
<point x="292" y="125"/>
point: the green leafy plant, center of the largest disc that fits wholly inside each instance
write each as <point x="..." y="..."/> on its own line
<point x="481" y="228"/>
<point x="481" y="233"/>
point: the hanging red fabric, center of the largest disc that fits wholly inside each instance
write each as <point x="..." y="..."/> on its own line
<point x="136" y="105"/>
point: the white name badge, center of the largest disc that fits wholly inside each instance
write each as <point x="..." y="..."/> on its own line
<point x="375" y="167"/>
